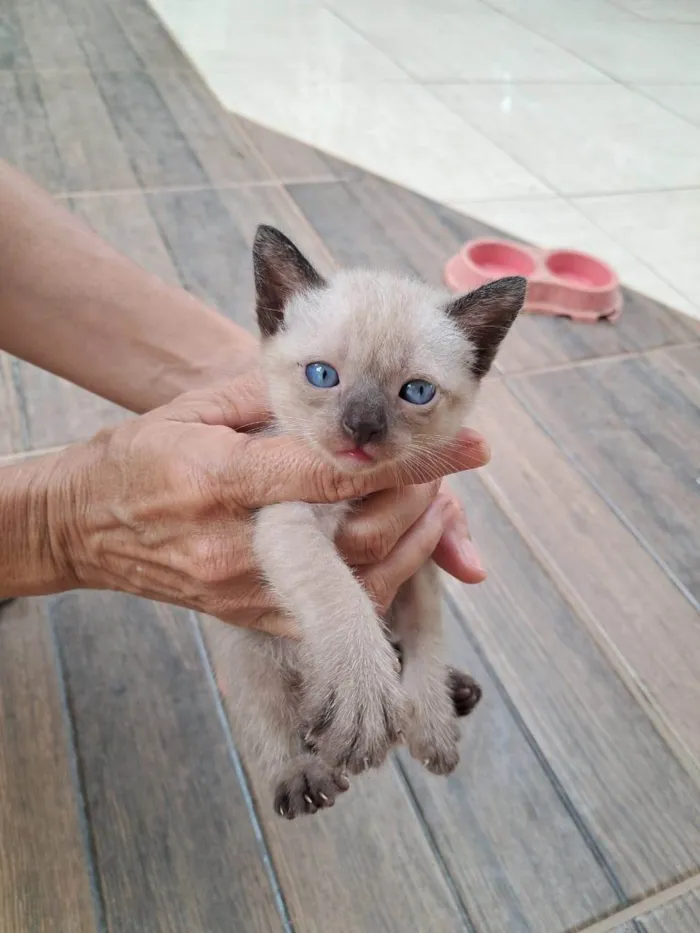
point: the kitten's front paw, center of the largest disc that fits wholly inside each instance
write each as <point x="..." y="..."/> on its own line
<point x="464" y="690"/>
<point x="308" y="784"/>
<point x="355" y="722"/>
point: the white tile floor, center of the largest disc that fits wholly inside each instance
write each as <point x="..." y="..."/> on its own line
<point x="566" y="122"/>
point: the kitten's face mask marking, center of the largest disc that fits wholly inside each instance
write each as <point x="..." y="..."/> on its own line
<point x="370" y="366"/>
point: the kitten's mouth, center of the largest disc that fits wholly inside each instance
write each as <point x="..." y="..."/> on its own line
<point x="356" y="454"/>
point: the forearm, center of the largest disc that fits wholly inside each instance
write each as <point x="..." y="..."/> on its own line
<point x="33" y="548"/>
<point x="72" y="305"/>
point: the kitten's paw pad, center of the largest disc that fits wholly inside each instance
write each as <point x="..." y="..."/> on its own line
<point x="464" y="690"/>
<point x="311" y="786"/>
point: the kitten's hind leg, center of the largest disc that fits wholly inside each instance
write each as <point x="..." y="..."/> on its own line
<point x="463" y="689"/>
<point x="432" y="732"/>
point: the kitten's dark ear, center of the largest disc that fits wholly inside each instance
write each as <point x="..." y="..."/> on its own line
<point x="280" y="271"/>
<point x="485" y="315"/>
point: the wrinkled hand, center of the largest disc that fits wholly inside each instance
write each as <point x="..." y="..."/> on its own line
<point x="161" y="507"/>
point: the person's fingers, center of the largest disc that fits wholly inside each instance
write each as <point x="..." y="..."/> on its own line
<point x="456" y="553"/>
<point x="369" y="534"/>
<point x="262" y="471"/>
<point x="383" y="580"/>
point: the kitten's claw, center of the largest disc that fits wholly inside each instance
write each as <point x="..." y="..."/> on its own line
<point x="308" y="785"/>
<point x="464" y="690"/>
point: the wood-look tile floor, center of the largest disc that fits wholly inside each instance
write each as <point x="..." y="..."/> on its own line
<point x="123" y="802"/>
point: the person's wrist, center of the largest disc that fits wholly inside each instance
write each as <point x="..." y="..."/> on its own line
<point x="35" y="519"/>
<point x="62" y="506"/>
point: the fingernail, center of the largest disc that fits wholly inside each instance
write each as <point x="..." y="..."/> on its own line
<point x="470" y="555"/>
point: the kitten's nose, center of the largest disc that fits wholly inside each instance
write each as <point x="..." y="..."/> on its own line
<point x="365" y="427"/>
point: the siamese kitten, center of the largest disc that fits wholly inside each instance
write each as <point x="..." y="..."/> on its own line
<point x="367" y="367"/>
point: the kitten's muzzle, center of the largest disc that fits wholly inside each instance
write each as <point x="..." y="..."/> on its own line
<point x="365" y="422"/>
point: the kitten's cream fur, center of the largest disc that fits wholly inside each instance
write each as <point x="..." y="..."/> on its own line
<point x="336" y="701"/>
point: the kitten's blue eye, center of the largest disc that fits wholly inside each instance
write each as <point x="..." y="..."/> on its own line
<point x="417" y="392"/>
<point x="322" y="375"/>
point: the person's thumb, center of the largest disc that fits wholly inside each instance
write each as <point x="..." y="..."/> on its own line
<point x="239" y="403"/>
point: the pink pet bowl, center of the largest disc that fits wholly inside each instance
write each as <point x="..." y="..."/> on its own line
<point x="562" y="282"/>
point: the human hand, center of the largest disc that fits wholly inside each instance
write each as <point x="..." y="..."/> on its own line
<point x="161" y="507"/>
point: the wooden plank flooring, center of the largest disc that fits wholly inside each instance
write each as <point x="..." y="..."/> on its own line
<point x="174" y="846"/>
<point x="45" y="877"/>
<point x="123" y="805"/>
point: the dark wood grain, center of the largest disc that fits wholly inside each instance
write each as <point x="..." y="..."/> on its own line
<point x="678" y="916"/>
<point x="209" y="234"/>
<point x="174" y="132"/>
<point x="640" y="617"/>
<point x="58" y="412"/>
<point x="25" y="138"/>
<point x="385" y="225"/>
<point x="91" y="152"/>
<point x="44" y="870"/>
<point x="633" y="796"/>
<point x="495" y="811"/>
<point x="100" y="35"/>
<point x="10" y="423"/>
<point x="225" y="153"/>
<point x="125" y="221"/>
<point x="13" y="49"/>
<point x="174" y="845"/>
<point x="49" y="35"/>
<point x="365" y="865"/>
<point x="636" y="432"/>
<point x="147" y="35"/>
<point x="156" y="146"/>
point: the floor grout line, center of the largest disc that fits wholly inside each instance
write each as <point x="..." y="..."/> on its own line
<point x="22" y="455"/>
<point x="78" y="775"/>
<point x="594" y="360"/>
<point x="586" y="833"/>
<point x="610" y="651"/>
<point x="237" y="763"/>
<point x="582" y="470"/>
<point x="429" y="834"/>
<point x="638" y="910"/>
<point x="274" y="181"/>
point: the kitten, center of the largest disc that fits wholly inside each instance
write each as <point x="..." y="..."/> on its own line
<point x="366" y="367"/>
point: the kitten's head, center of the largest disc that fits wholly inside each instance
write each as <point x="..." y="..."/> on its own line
<point x="370" y="366"/>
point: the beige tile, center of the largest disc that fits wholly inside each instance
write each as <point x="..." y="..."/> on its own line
<point x="282" y="45"/>
<point x="681" y="99"/>
<point x="660" y="228"/>
<point x="398" y="131"/>
<point x="480" y="45"/>
<point x="631" y="50"/>
<point x="664" y="11"/>
<point x="583" y="139"/>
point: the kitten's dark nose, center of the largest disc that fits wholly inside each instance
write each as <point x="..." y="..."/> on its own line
<point x="365" y="424"/>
